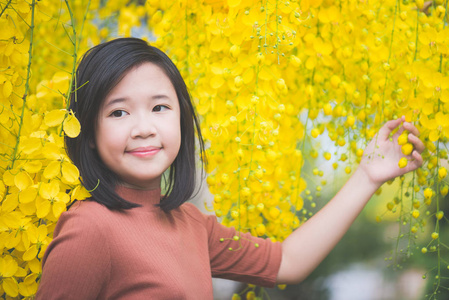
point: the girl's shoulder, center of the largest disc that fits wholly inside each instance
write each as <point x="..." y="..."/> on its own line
<point x="86" y="213"/>
<point x="195" y="214"/>
<point x="191" y="210"/>
<point x="85" y="208"/>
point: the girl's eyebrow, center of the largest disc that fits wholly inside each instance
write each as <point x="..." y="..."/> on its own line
<point x="112" y="102"/>
<point x="121" y="100"/>
<point x="161" y="96"/>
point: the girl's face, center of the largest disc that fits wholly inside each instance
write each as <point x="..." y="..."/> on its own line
<point x="138" y="132"/>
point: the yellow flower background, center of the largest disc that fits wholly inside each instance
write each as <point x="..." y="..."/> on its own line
<point x="277" y="84"/>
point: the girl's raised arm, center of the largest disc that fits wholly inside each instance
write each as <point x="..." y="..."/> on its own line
<point x="307" y="246"/>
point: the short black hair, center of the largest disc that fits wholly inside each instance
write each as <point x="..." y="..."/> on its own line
<point x="100" y="70"/>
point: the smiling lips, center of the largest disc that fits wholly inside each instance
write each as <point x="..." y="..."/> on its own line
<point x="144" y="151"/>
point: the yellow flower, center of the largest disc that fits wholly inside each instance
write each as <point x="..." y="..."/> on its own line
<point x="428" y="193"/>
<point x="407" y="149"/>
<point x="402" y="162"/>
<point x="403" y="138"/>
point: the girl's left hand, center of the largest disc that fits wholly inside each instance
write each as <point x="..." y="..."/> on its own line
<point x="381" y="156"/>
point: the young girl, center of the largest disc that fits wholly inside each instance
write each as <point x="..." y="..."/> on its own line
<point x="128" y="241"/>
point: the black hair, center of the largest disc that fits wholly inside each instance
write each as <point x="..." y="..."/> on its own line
<point x="100" y="70"/>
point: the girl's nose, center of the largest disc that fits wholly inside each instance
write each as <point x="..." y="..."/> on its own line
<point x="144" y="127"/>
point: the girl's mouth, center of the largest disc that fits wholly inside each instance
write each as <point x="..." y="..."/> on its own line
<point x="144" y="151"/>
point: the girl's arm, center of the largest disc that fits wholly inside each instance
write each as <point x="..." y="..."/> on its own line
<point x="307" y="246"/>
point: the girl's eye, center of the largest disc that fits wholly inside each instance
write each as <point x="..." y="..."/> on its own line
<point x="159" y="108"/>
<point x="118" y="113"/>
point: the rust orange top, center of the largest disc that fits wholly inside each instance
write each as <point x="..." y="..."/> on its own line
<point x="145" y="253"/>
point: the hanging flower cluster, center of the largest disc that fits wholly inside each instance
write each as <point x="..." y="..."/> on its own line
<point x="271" y="81"/>
<point x="237" y="60"/>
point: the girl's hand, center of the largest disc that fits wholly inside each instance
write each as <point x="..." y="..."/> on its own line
<point x="381" y="156"/>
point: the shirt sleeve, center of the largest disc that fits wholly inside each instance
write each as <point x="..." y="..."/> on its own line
<point x="252" y="260"/>
<point x="76" y="264"/>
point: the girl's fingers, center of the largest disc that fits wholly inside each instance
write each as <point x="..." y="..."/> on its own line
<point x="384" y="132"/>
<point x="411" y="128"/>
<point x="414" y="163"/>
<point x="406" y="126"/>
<point x="398" y="132"/>
<point x="417" y="143"/>
<point x="417" y="159"/>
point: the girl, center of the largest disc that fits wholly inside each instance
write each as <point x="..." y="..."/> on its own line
<point x="128" y="241"/>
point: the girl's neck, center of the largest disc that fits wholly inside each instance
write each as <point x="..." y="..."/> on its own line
<point x="139" y="187"/>
<point x="148" y="198"/>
